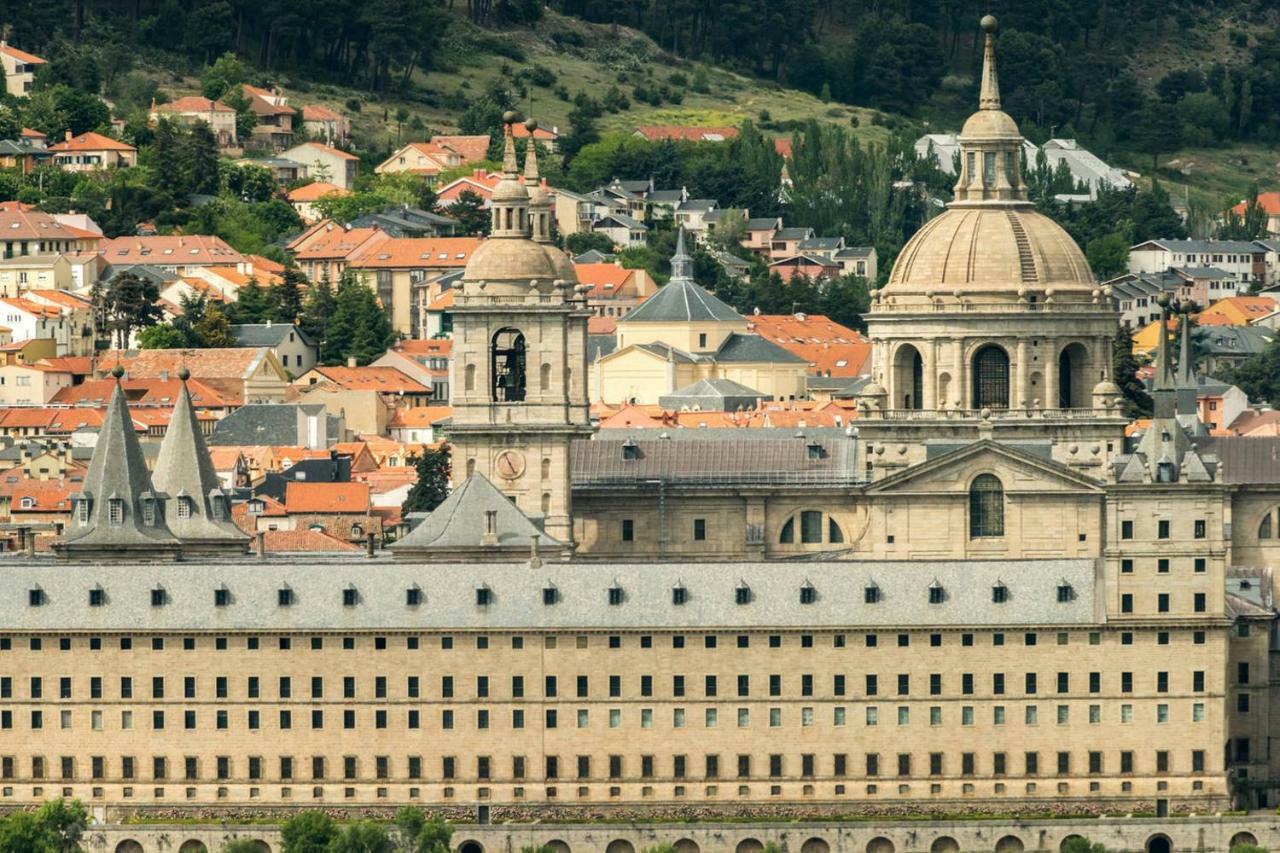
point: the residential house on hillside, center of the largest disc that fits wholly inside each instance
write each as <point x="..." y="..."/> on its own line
<point x="405" y="221"/>
<point x="22" y="155"/>
<point x="1244" y="260"/>
<point x="440" y="154"/>
<point x="193" y="108"/>
<point x="624" y="231"/>
<point x="91" y="151"/>
<point x="785" y="242"/>
<point x="325" y="163"/>
<point x="296" y="350"/>
<point x="695" y="216"/>
<point x="274" y="130"/>
<point x="366" y="397"/>
<point x="1219" y="347"/>
<point x="1134" y="295"/>
<point x="29" y="319"/>
<point x="759" y="231"/>
<point x="284" y="172"/>
<point x="340" y="510"/>
<point x="437" y="316"/>
<point x="32" y="384"/>
<point x="304" y="198"/>
<point x="323" y="250"/>
<point x="425" y="361"/>
<point x="181" y="254"/>
<point x="24" y="230"/>
<point x="19" y="69"/>
<point x="685" y="133"/>
<point x="1086" y="168"/>
<point x="325" y="125"/>
<point x="613" y="289"/>
<point x="1237" y="311"/>
<point x="419" y="424"/>
<point x="813" y="267"/>
<point x="1269" y="203"/>
<point x="27" y="350"/>
<point x="859" y="260"/>
<point x="401" y="270"/>
<point x="547" y="138"/>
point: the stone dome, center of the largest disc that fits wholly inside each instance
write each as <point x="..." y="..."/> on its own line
<point x="994" y="250"/>
<point x="990" y="124"/>
<point x="516" y="260"/>
<point x="509" y="190"/>
<point x="563" y="264"/>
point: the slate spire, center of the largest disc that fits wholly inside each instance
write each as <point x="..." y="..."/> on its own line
<point x="196" y="509"/>
<point x="118" y="514"/>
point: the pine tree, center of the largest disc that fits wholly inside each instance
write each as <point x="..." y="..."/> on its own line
<point x="358" y="327"/>
<point x="1124" y="367"/>
<point x="432" y="486"/>
<point x="214" y="329"/>
<point x="317" y="309"/>
<point x="253" y="304"/>
<point x="286" y="298"/>
<point x="469" y="210"/>
<point x="167" y="168"/>
<point x="201" y="158"/>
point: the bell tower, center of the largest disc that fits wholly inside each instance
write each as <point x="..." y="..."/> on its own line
<point x="520" y="354"/>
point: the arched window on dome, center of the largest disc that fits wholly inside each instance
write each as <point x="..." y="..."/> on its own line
<point x="507" y="363"/>
<point x="991" y="378"/>
<point x="986" y="507"/>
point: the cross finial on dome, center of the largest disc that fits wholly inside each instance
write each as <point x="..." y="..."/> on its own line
<point x="531" y="177"/>
<point x="989" y="96"/>
<point x="509" y="165"/>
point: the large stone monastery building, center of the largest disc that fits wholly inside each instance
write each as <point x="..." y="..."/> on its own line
<point x="981" y="596"/>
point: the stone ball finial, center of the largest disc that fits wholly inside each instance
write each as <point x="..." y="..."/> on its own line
<point x="1162" y="299"/>
<point x="183" y="373"/>
<point x="531" y="124"/>
<point x="117" y="371"/>
<point x="989" y="24"/>
<point x="510" y="117"/>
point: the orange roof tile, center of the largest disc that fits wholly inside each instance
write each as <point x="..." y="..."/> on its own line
<point x="194" y="104"/>
<point x="315" y="112"/>
<point x="1237" y="310"/>
<point x="80" y="365"/>
<point x="172" y="250"/>
<point x="326" y="498"/>
<point x="420" y="416"/>
<point x="416" y="252"/>
<point x="329" y="149"/>
<point x="24" y="222"/>
<point x="145" y="391"/>
<point x="605" y="279"/>
<point x="830" y="348"/>
<point x="21" y="55"/>
<point x="31" y="307"/>
<point x="92" y="142"/>
<point x="44" y="495"/>
<point x="425" y="346"/>
<point x="519" y="131"/>
<point x="299" y="541"/>
<point x="470" y="148"/>
<point x="316" y="190"/>
<point x="265" y="264"/>
<point x="224" y="363"/>
<point x="65" y="298"/>
<point x="1269" y="202"/>
<point x="340" y="242"/>
<point x="602" y="325"/>
<point x="443" y="302"/>
<point x="386" y="380"/>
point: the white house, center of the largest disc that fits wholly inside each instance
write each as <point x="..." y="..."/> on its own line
<point x="1245" y="261"/>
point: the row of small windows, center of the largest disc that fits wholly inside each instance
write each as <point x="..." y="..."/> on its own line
<point x="616" y="595"/>
<point x="582" y="641"/>
<point x="483" y="684"/>
<point x="617" y="766"/>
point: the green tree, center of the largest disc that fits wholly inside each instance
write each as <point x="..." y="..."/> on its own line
<point x="432" y="486"/>
<point x="1124" y="368"/>
<point x="162" y="336"/>
<point x="214" y="329"/>
<point x="125" y="303"/>
<point x="362" y="837"/>
<point x="10" y="127"/>
<point x="317" y="308"/>
<point x="358" y="327"/>
<point x="249" y="183"/>
<point x="846" y="299"/>
<point x="1258" y="376"/>
<point x="226" y="72"/>
<point x="286" y="297"/>
<point x="585" y="241"/>
<point x="420" y="835"/>
<point x="201" y="155"/>
<point x="1108" y="256"/>
<point x="470" y="212"/>
<point x="1079" y="844"/>
<point x="23" y="832"/>
<point x="241" y="845"/>
<point x="168" y="166"/>
<point x="65" y="820"/>
<point x="253" y="303"/>
<point x="307" y="832"/>
<point x="1157" y="130"/>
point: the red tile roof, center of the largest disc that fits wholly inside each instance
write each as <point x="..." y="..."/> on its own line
<point x="313" y="498"/>
<point x="21" y="55"/>
<point x="1269" y="202"/>
<point x="316" y="190"/>
<point x="45" y="495"/>
<point x="298" y="541"/>
<point x="602" y="325"/>
<point x="315" y="112"/>
<point x="425" y="346"/>
<point x="470" y="148"/>
<point x="170" y="250"/>
<point x="400" y="252"/>
<point x="20" y="221"/>
<point x="605" y="279"/>
<point x="830" y="348"/>
<point x="153" y="391"/>
<point x="385" y="380"/>
<point x="92" y="142"/>
<point x="420" y="417"/>
<point x="194" y="104"/>
<point x="340" y="242"/>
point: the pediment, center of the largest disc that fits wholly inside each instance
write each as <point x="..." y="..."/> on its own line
<point x="1018" y="471"/>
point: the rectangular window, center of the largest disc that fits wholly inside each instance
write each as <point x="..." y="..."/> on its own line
<point x="699" y="530"/>
<point x="628" y="530"/>
<point x="1162" y="529"/>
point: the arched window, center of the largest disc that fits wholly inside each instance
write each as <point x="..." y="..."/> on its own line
<point x="544" y="378"/>
<point x="507" y="359"/>
<point x="1264" y="529"/>
<point x="546" y="468"/>
<point x="991" y="378"/>
<point x="986" y="507"/>
<point x="908" y="378"/>
<point x="546" y="503"/>
<point x="815" y="528"/>
<point x="469" y="378"/>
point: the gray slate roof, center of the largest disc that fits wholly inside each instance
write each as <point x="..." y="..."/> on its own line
<point x="1202" y="246"/>
<point x="716" y="457"/>
<point x="682" y="300"/>
<point x="593" y="256"/>
<point x="764" y="223"/>
<point x="449" y="595"/>
<point x="623" y="220"/>
<point x="712" y="395"/>
<point x="795" y="233"/>
<point x="268" y="334"/>
<point x="270" y="423"/>
<point x="1245" y="460"/>
<point x="117" y="472"/>
<point x="598" y="346"/>
<point x="1238" y="341"/>
<point x="739" y="347"/>
<point x="184" y="472"/>
<point x="820" y="243"/>
<point x="460" y="523"/>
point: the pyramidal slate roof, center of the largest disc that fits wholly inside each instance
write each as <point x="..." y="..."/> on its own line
<point x="475" y="518"/>
<point x="682" y="299"/>
<point x="118" y="513"/>
<point x="196" y="509"/>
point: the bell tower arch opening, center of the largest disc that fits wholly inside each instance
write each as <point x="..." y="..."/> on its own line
<point x="507" y="355"/>
<point x="908" y="378"/>
<point x="1074" y="381"/>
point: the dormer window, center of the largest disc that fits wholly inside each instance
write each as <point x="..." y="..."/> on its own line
<point x="97" y="597"/>
<point x="550" y="595"/>
<point x="413" y="596"/>
<point x="679" y="595"/>
<point x="184" y="507"/>
<point x="350" y="597"/>
<point x="82" y="510"/>
<point x="814" y="451"/>
<point x="742" y="594"/>
<point x="999" y="593"/>
<point x="871" y="594"/>
<point x="35" y="597"/>
<point x="937" y="593"/>
<point x="27" y="503"/>
<point x="630" y="450"/>
<point x="159" y="598"/>
<point x="284" y="597"/>
<point x="615" y="595"/>
<point x="1065" y="593"/>
<point x="221" y="597"/>
<point x="256" y="506"/>
<point x="115" y="512"/>
<point x="808" y="595"/>
<point x="484" y="596"/>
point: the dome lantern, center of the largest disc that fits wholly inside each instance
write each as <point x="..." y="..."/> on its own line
<point x="990" y="143"/>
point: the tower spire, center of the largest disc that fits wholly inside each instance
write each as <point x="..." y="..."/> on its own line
<point x="681" y="263"/>
<point x="1163" y="383"/>
<point x="531" y="176"/>
<point x="510" y="168"/>
<point x="989" y="96"/>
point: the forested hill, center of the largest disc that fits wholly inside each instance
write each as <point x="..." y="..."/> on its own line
<point x="1135" y="80"/>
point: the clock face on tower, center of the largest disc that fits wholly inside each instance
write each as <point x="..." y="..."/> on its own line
<point x="510" y="464"/>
